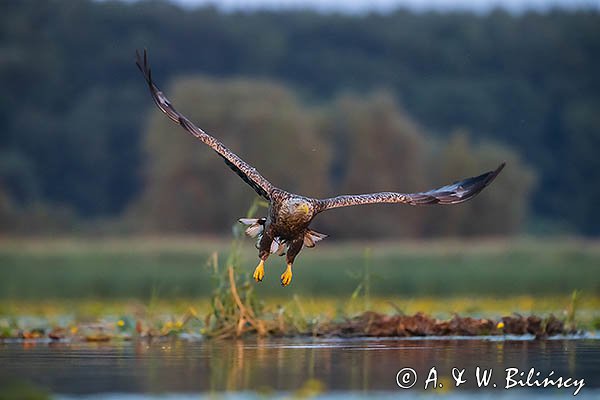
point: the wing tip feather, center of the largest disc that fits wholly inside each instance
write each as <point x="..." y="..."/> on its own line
<point x="474" y="186"/>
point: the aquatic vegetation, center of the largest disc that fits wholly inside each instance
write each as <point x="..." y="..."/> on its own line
<point x="572" y="309"/>
<point x="234" y="311"/>
<point x="233" y="306"/>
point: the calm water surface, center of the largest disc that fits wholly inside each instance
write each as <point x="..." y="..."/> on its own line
<point x="332" y="367"/>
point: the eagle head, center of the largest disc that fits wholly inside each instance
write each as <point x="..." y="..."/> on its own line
<point x="300" y="207"/>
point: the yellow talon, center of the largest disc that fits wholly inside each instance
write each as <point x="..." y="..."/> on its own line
<point x="259" y="272"/>
<point x="286" y="277"/>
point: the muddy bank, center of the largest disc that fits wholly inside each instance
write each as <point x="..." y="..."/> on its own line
<point x="373" y="324"/>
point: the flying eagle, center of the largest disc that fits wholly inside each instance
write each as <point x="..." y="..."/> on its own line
<point x="286" y="227"/>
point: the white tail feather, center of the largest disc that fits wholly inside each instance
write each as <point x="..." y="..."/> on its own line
<point x="282" y="248"/>
<point x="274" y="246"/>
<point x="278" y="246"/>
<point x="311" y="238"/>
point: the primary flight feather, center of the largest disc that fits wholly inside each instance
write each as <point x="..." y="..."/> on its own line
<point x="286" y="230"/>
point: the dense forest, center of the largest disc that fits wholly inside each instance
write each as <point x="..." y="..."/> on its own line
<point x="78" y="140"/>
<point x="366" y="143"/>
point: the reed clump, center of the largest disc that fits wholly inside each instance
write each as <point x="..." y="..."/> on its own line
<point x="235" y="311"/>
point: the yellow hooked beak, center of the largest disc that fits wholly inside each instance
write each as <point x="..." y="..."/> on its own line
<point x="304" y="208"/>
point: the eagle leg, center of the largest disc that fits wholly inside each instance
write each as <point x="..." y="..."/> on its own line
<point x="264" y="249"/>
<point x="293" y="250"/>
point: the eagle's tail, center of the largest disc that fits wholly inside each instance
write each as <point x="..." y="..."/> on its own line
<point x="256" y="227"/>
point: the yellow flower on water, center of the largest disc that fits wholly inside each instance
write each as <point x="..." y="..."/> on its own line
<point x="168" y="325"/>
<point x="121" y="323"/>
<point x="179" y="324"/>
<point x="74" y="330"/>
<point x="500" y="325"/>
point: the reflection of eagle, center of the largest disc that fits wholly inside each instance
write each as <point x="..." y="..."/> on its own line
<point x="285" y="229"/>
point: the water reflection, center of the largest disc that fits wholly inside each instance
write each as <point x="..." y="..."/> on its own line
<point x="288" y="365"/>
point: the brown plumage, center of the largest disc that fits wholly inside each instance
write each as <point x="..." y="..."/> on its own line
<point x="286" y="227"/>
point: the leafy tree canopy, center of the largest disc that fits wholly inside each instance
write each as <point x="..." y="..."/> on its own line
<point x="73" y="106"/>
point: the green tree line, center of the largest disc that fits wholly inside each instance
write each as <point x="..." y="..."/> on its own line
<point x="73" y="107"/>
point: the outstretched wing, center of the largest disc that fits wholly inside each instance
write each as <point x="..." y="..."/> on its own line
<point x="450" y="194"/>
<point x="248" y="173"/>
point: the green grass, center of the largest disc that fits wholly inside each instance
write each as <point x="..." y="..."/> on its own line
<point x="141" y="268"/>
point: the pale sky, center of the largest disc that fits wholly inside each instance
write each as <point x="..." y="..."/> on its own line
<point x="353" y="6"/>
